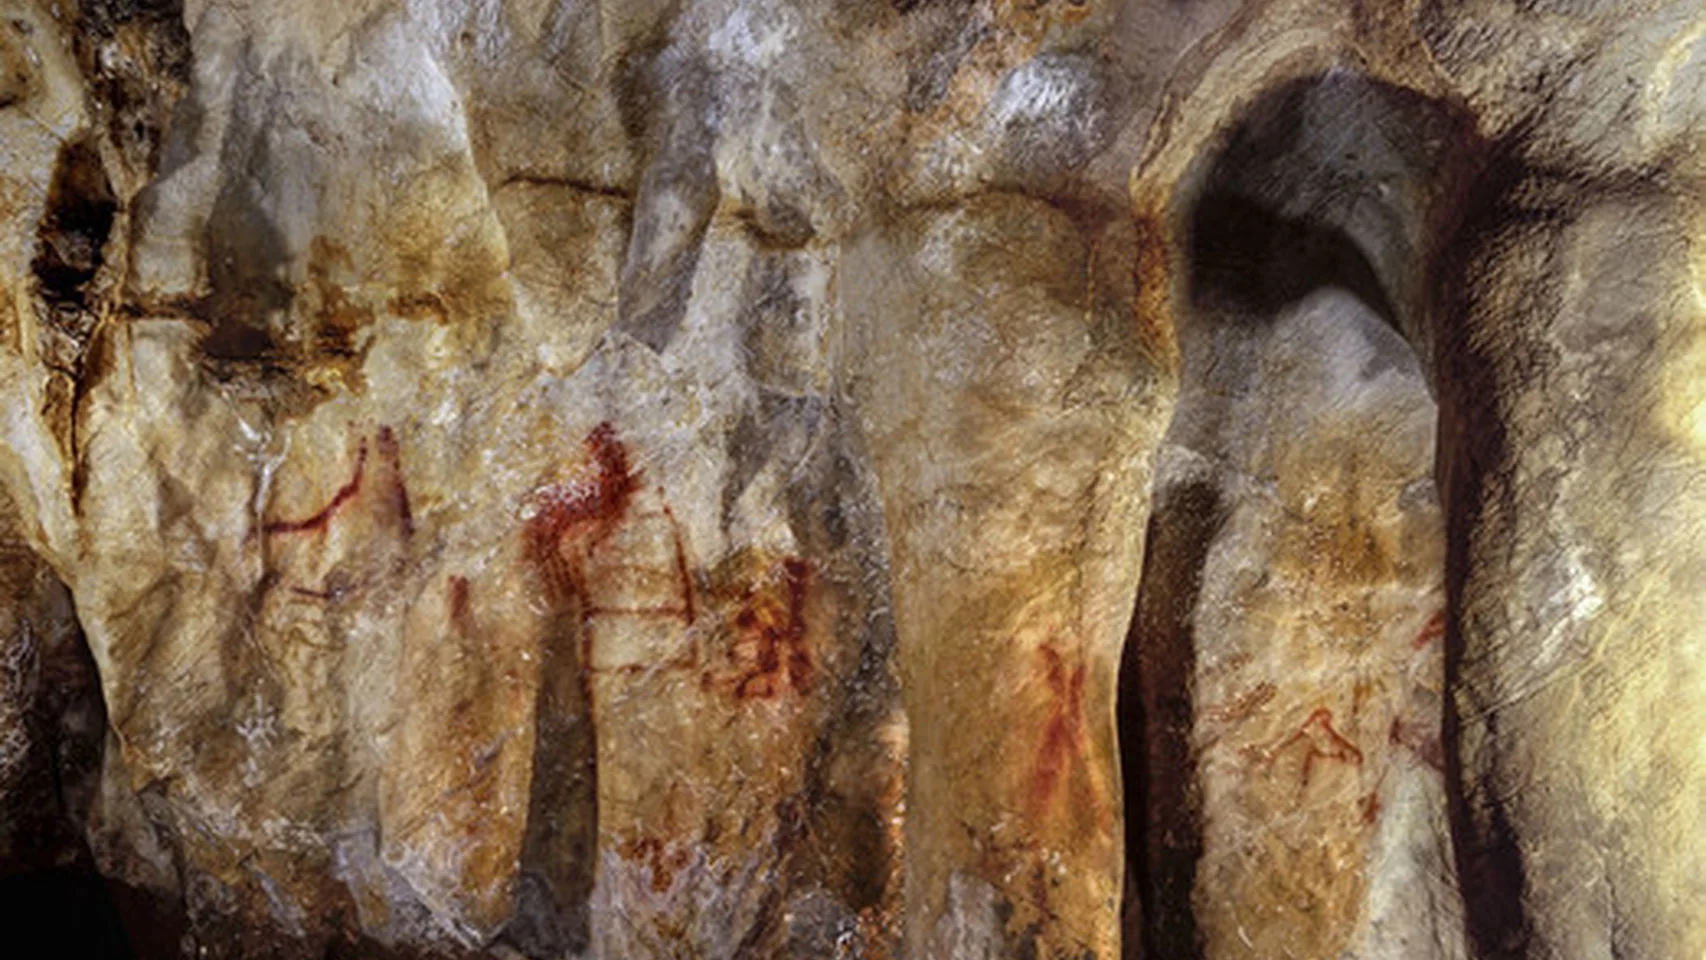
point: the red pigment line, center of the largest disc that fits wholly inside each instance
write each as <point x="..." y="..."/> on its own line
<point x="1343" y="749"/>
<point x="1371" y="808"/>
<point x="798" y="574"/>
<point x="323" y="517"/>
<point x="389" y="449"/>
<point x="1338" y="748"/>
<point x="314" y="594"/>
<point x="589" y="508"/>
<point x="1051" y="757"/>
<point x="1063" y="735"/>
<point x="1431" y="631"/>
<point x="459" y="615"/>
<point x="681" y="568"/>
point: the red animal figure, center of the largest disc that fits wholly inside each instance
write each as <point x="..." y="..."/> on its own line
<point x="1320" y="741"/>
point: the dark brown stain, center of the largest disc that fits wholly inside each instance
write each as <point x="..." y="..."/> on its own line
<point x="1424" y="743"/>
<point x="73" y="233"/>
<point x="70" y="251"/>
<point x="1153" y="279"/>
<point x="338" y="320"/>
<point x="1473" y="447"/>
<point x="428" y="306"/>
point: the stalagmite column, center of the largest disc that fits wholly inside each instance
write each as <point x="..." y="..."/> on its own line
<point x="1574" y="427"/>
<point x="1014" y="417"/>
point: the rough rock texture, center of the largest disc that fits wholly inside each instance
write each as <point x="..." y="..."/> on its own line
<point x="947" y="479"/>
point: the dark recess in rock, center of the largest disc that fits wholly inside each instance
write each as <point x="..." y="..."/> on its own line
<point x="1163" y="833"/>
<point x="72" y="235"/>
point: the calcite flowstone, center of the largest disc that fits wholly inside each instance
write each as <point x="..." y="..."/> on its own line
<point x="892" y="478"/>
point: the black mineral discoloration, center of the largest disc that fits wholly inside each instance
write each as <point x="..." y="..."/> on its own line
<point x="71" y="248"/>
<point x="136" y="56"/>
<point x="72" y="236"/>
<point x="250" y="295"/>
<point x="1263" y="262"/>
<point x="1331" y="180"/>
<point x="673" y="102"/>
<point x="560" y="848"/>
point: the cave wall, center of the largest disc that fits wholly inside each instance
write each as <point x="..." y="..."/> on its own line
<point x="792" y="478"/>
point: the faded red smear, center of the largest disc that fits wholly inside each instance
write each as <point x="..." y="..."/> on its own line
<point x="1242" y="707"/>
<point x="797" y="575"/>
<point x="1322" y="743"/>
<point x="665" y="860"/>
<point x="1063" y="735"/>
<point x="399" y="491"/>
<point x="460" y="617"/>
<point x="1371" y="808"/>
<point x="769" y="650"/>
<point x="579" y="514"/>
<point x="681" y="569"/>
<point x="1420" y="741"/>
<point x="322" y="517"/>
<point x="1433" y="630"/>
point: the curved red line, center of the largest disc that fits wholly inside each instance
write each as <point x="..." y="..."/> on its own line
<point x="324" y="515"/>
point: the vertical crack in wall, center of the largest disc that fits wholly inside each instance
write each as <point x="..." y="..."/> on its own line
<point x="70" y="249"/>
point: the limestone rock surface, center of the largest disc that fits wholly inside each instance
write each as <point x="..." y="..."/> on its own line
<point x="916" y="479"/>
